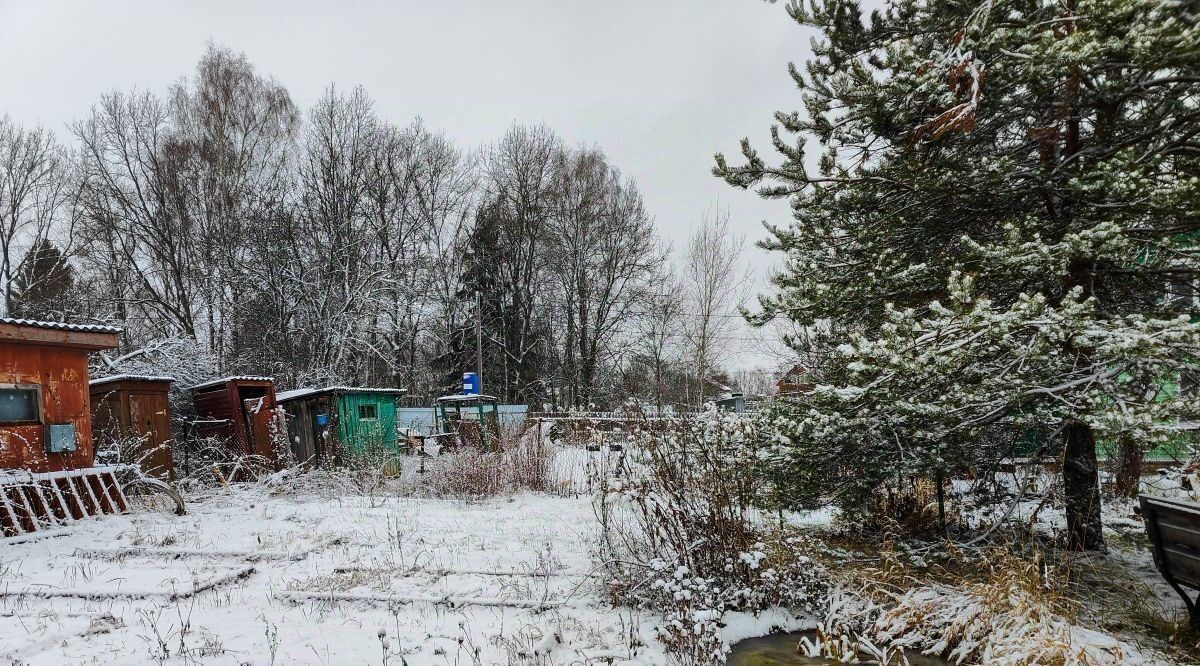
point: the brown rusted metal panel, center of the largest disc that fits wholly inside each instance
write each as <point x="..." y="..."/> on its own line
<point x="61" y="374"/>
<point x="222" y="411"/>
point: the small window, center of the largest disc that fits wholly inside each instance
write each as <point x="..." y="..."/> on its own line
<point x="367" y="413"/>
<point x="19" y="404"/>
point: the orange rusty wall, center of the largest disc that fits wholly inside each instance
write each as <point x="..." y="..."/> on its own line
<point x="62" y="375"/>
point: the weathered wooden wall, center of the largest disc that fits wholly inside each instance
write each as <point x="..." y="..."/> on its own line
<point x="124" y="409"/>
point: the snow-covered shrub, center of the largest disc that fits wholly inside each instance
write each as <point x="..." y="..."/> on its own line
<point x="369" y="470"/>
<point x="117" y="449"/>
<point x="184" y="359"/>
<point x="680" y="534"/>
<point x="907" y="509"/>
<point x="208" y="461"/>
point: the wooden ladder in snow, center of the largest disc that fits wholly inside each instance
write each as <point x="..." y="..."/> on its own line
<point x="30" y="502"/>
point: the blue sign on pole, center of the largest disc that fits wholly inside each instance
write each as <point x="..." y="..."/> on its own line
<point x="470" y="385"/>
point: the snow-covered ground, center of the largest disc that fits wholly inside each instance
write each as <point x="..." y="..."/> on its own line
<point x="310" y="575"/>
<point x="251" y="577"/>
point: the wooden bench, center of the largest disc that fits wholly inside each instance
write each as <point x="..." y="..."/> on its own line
<point x="1174" y="530"/>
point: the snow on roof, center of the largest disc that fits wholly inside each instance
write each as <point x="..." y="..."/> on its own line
<point x="309" y="392"/>
<point x="61" y="326"/>
<point x="130" y="378"/>
<point x="465" y="398"/>
<point x="233" y="378"/>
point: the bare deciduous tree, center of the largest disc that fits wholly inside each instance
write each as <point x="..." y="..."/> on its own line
<point x="34" y="184"/>
<point x="336" y="247"/>
<point x="716" y="284"/>
<point x="659" y="332"/>
<point x="605" y="252"/>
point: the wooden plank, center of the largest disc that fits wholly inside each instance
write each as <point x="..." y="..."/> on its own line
<point x="66" y="514"/>
<point x="85" y="494"/>
<point x="1183" y="566"/>
<point x="119" y="493"/>
<point x="101" y="493"/>
<point x="8" y="515"/>
<point x="306" y="596"/>
<point x="107" y="595"/>
<point x="67" y="492"/>
<point x="1174" y="530"/>
<point x="39" y="491"/>
<point x="25" y="508"/>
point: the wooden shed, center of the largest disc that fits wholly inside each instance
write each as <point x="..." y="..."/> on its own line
<point x="48" y="476"/>
<point x="45" y="420"/>
<point x="327" y="423"/>
<point x="237" y="410"/>
<point x="133" y="412"/>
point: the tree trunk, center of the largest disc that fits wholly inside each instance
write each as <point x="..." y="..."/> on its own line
<point x="1129" y="466"/>
<point x="1081" y="485"/>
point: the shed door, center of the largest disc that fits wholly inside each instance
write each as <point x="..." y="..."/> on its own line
<point x="260" y="416"/>
<point x="150" y="419"/>
<point x="300" y="427"/>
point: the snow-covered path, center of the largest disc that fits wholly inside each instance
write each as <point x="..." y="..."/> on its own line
<point x="251" y="578"/>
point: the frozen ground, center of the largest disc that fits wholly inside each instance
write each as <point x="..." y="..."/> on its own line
<point x="251" y="576"/>
<point x="248" y="577"/>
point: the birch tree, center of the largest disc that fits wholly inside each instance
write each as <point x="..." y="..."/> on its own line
<point x="715" y="282"/>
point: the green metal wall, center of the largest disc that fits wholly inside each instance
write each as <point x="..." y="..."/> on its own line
<point x="359" y="436"/>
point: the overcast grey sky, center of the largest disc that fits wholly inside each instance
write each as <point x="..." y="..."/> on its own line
<point x="659" y="85"/>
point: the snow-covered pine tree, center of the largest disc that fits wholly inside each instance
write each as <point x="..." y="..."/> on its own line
<point x="1006" y="193"/>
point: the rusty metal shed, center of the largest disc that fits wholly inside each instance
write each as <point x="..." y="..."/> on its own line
<point x="132" y="412"/>
<point x="45" y="420"/>
<point x="237" y="410"/>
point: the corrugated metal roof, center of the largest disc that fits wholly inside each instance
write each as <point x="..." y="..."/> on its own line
<point x="131" y="378"/>
<point x="309" y="392"/>
<point x="61" y="326"/>
<point x="233" y="378"/>
<point x="468" y="397"/>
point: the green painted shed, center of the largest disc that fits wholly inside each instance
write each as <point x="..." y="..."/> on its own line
<point x="327" y="425"/>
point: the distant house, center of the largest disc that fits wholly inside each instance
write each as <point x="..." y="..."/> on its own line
<point x="238" y="411"/>
<point x="45" y="420"/>
<point x="732" y="402"/>
<point x="795" y="381"/>
<point x="325" y="424"/>
<point x="133" y="411"/>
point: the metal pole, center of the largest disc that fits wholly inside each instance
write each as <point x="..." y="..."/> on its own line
<point x="479" y="340"/>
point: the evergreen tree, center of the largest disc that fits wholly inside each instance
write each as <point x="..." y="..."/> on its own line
<point x="1005" y="190"/>
<point x="43" y="284"/>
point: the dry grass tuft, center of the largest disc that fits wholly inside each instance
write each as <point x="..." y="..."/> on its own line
<point x="522" y="463"/>
<point x="998" y="606"/>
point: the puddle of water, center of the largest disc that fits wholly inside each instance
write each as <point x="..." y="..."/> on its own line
<point x="780" y="650"/>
